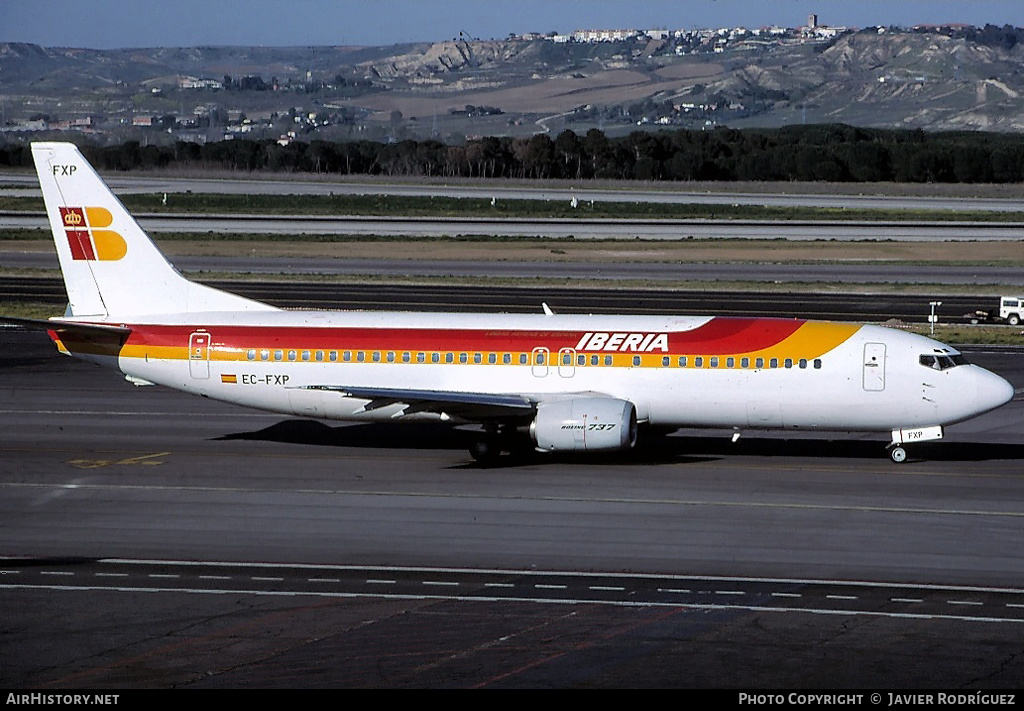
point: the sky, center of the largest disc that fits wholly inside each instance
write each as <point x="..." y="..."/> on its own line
<point x="107" y="24"/>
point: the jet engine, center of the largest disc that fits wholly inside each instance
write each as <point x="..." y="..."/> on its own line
<point x="584" y="424"/>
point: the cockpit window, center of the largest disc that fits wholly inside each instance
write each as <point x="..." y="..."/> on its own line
<point x="942" y="362"/>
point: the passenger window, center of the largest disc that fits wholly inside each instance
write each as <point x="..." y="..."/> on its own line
<point x="449" y="357"/>
<point x="391" y="356"/>
<point x="264" y="355"/>
<point x="251" y="355"/>
<point x="789" y="362"/>
<point x="698" y="362"/>
<point x="421" y="357"/>
<point x="406" y="357"/>
<point x="665" y="361"/>
<point x="361" y="356"/>
<point x="759" y="363"/>
<point x="581" y="359"/>
<point x="636" y="360"/>
<point x="492" y="358"/>
<point x="523" y="359"/>
<point x="463" y="357"/>
<point x="278" y="355"/>
<point x="817" y="363"/>
<point x="305" y="355"/>
<point x="478" y="358"/>
<point x="714" y="361"/>
<point x="292" y="355"/>
<point x="682" y="361"/>
<point x="435" y="357"/>
<point x="376" y="356"/>
<point x="773" y="363"/>
<point x="803" y="362"/>
<point x="730" y="362"/>
<point x="507" y="359"/>
<point x="745" y="363"/>
<point x="334" y="356"/>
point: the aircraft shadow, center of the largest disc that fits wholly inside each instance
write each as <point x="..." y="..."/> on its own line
<point x="677" y="449"/>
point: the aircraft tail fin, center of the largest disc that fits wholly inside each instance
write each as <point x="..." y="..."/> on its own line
<point x="112" y="269"/>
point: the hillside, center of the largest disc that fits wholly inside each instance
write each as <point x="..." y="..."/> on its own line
<point x="931" y="80"/>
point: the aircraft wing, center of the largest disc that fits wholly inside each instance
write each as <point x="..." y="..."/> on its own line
<point x="474" y="407"/>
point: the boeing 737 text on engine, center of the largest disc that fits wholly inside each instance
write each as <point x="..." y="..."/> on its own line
<point x="572" y="383"/>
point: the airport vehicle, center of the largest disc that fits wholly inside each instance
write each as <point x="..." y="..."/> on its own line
<point x="1011" y="310"/>
<point x="569" y="382"/>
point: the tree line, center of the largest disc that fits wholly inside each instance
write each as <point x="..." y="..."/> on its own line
<point x="831" y="152"/>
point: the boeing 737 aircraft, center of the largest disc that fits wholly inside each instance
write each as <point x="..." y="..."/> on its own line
<point x="572" y="383"/>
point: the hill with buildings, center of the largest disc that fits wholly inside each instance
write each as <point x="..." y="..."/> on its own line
<point x="619" y="81"/>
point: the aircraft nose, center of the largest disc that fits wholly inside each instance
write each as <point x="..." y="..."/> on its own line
<point x="992" y="391"/>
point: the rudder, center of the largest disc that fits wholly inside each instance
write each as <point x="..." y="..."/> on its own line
<point x="111" y="268"/>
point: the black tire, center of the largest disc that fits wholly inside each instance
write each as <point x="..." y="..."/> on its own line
<point x="485" y="452"/>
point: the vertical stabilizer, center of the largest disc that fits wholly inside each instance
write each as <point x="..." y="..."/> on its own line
<point x="111" y="268"/>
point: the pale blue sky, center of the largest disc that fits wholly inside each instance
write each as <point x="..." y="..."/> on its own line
<point x="105" y="24"/>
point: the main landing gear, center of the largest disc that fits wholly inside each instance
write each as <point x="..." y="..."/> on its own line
<point x="486" y="451"/>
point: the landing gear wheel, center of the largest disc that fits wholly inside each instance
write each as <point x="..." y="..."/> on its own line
<point x="485" y="452"/>
<point x="898" y="454"/>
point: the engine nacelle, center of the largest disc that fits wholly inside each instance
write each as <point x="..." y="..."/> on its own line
<point x="584" y="424"/>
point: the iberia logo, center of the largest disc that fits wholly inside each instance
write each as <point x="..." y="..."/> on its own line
<point x="87" y="236"/>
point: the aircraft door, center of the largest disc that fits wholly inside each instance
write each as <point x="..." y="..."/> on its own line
<point x="199" y="355"/>
<point x="539" y="362"/>
<point x="567" y="362"/>
<point x="874" y="367"/>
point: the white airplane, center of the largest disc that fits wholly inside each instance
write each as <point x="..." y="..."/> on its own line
<point x="572" y="383"/>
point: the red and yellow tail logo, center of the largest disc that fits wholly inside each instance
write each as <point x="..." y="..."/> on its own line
<point x="87" y="236"/>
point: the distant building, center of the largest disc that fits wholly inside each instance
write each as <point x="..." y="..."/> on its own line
<point x="592" y="36"/>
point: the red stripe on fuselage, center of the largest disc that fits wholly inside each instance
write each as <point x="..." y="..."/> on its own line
<point x="717" y="336"/>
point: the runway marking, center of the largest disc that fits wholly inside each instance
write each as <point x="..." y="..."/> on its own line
<point x="682" y="605"/>
<point x="906" y="599"/>
<point x="144" y="459"/>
